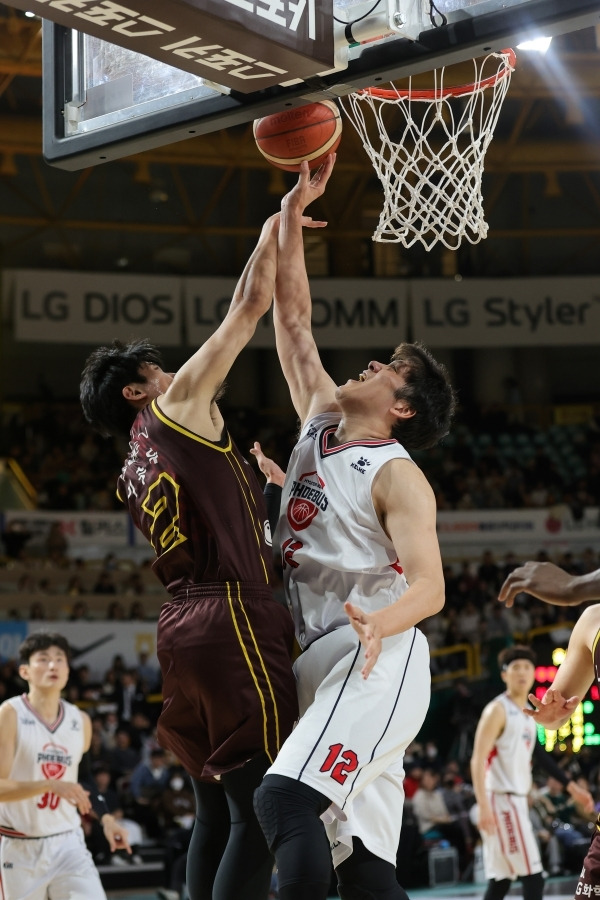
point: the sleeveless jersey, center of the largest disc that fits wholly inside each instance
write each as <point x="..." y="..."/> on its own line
<point x="333" y="547"/>
<point x="43" y="751"/>
<point x="198" y="502"/>
<point x="509" y="763"/>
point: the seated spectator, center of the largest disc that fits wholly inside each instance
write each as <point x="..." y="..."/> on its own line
<point x="148" y="672"/>
<point x="147" y="783"/>
<point x="94" y="834"/>
<point x="79" y="611"/>
<point x="37" y="611"/>
<point x="115" y="611"/>
<point x="75" y="586"/>
<point x="129" y="696"/>
<point x="433" y="817"/>
<point x="123" y="757"/>
<point x="14" y="538"/>
<point x="104" y="584"/>
<point x="56" y="545"/>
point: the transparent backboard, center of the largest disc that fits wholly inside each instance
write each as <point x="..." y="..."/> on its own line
<point x="103" y="101"/>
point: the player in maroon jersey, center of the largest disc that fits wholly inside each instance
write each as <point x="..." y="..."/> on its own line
<point x="224" y="643"/>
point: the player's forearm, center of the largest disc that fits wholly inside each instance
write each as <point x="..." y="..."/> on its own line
<point x="12" y="791"/>
<point x="423" y="598"/>
<point x="257" y="282"/>
<point x="292" y="289"/>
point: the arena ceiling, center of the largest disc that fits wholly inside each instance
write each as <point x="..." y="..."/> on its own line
<point x="196" y="207"/>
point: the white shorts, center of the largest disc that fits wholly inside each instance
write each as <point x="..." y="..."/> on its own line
<point x="58" y="867"/>
<point x="513" y="850"/>
<point x="349" y="743"/>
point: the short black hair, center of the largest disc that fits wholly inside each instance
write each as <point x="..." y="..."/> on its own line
<point x="107" y="371"/>
<point x="42" y="640"/>
<point x="428" y="392"/>
<point x="517" y="651"/>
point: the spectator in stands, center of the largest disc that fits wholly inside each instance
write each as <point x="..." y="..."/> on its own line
<point x="433" y="817"/>
<point x="115" y="610"/>
<point x="79" y="611"/>
<point x="14" y="538"/>
<point x="128" y="695"/>
<point x="94" y="834"/>
<point x="147" y="671"/>
<point x="123" y="757"/>
<point x="104" y="584"/>
<point x="147" y="783"/>
<point x="75" y="586"/>
<point x="136" y="612"/>
<point x="56" y="545"/>
<point x="37" y="611"/>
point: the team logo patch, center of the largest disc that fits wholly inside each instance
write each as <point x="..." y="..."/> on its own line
<point x="54" y="760"/>
<point x="307" y="497"/>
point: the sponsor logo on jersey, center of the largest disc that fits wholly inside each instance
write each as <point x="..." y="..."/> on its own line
<point x="7" y="865"/>
<point x="24" y="721"/>
<point x="360" y="465"/>
<point x="75" y="724"/>
<point x="312" y="432"/>
<point x="510" y="832"/>
<point x="307" y="497"/>
<point x="267" y="533"/>
<point x="54" y="760"/>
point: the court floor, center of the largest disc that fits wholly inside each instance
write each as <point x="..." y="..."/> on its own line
<point x="557" y="888"/>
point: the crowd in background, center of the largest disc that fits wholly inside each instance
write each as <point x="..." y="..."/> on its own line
<point x="491" y="460"/>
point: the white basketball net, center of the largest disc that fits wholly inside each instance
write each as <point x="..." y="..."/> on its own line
<point x="433" y="145"/>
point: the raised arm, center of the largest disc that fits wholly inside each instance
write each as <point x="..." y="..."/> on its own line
<point x="574" y="677"/>
<point x="311" y="388"/>
<point x="547" y="582"/>
<point x="190" y="398"/>
<point x="406" y="508"/>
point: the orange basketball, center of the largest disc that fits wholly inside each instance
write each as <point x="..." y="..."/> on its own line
<point x="306" y="132"/>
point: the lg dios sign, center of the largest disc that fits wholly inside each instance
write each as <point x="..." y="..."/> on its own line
<point x="130" y="308"/>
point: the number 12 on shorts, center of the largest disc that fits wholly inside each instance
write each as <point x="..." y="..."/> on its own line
<point x="339" y="763"/>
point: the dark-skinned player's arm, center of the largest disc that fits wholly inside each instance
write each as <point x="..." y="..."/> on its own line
<point x="574" y="676"/>
<point x="311" y="388"/>
<point x="551" y="584"/>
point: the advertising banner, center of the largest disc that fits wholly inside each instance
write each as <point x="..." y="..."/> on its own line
<point x="508" y="312"/>
<point x="359" y="312"/>
<point x="88" y="307"/>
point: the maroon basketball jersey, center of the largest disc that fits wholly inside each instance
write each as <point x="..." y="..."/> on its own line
<point x="198" y="503"/>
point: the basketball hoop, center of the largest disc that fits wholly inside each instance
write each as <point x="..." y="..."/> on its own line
<point x="433" y="145"/>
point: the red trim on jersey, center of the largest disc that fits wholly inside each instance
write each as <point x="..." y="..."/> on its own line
<point x="11" y="832"/>
<point x="326" y="451"/>
<point x="398" y="568"/>
<point x="57" y="722"/>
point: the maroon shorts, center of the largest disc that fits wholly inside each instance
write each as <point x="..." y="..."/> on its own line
<point x="589" y="880"/>
<point x="229" y="693"/>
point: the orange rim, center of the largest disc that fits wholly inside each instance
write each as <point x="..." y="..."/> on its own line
<point x="459" y="90"/>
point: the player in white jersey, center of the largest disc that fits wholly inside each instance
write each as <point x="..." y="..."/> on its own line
<point x="505" y="743"/>
<point x="42" y="741"/>
<point x="362" y="567"/>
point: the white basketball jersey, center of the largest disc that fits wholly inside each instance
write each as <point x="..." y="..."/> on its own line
<point x="333" y="547"/>
<point x="43" y="751"/>
<point x="509" y="763"/>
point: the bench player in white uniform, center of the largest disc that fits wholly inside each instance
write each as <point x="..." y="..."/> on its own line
<point x="361" y="567"/>
<point x="42" y="739"/>
<point x="505" y="743"/>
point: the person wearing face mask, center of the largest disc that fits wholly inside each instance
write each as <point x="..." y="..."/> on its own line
<point x="176" y="809"/>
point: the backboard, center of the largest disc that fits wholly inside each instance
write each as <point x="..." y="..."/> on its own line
<point x="104" y="100"/>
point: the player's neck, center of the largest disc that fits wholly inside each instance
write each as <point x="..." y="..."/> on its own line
<point x="45" y="702"/>
<point x="357" y="429"/>
<point x="519" y="698"/>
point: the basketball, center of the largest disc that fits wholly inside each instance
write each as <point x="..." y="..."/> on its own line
<point x="309" y="132"/>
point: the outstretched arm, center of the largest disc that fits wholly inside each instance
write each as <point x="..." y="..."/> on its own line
<point x="574" y="676"/>
<point x="547" y="582"/>
<point x="190" y="398"/>
<point x="311" y="389"/>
